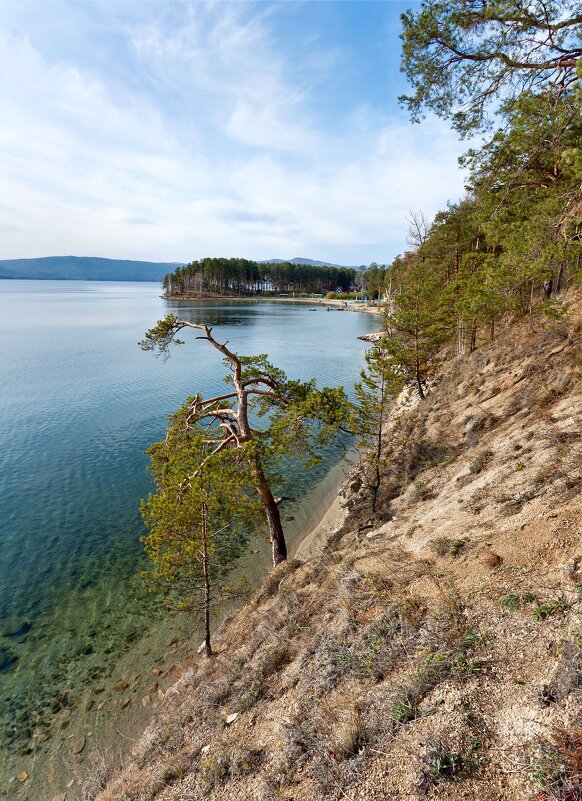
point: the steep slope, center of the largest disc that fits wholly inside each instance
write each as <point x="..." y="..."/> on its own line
<point x="432" y="652"/>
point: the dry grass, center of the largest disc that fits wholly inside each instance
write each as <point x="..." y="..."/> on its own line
<point x="556" y="766"/>
<point x="372" y="671"/>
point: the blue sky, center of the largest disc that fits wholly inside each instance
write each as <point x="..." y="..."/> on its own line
<point x="172" y="131"/>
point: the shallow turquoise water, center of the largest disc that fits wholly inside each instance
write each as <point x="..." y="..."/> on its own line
<point x="79" y="403"/>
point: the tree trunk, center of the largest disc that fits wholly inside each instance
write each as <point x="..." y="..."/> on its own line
<point x="418" y="377"/>
<point x="207" y="646"/>
<point x="547" y="289"/>
<point x="461" y="338"/>
<point x="559" y="279"/>
<point x="473" y="343"/>
<point x="378" y="476"/>
<point x="271" y="509"/>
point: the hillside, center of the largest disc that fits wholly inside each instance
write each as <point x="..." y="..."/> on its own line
<point x="432" y="650"/>
<point x="85" y="268"/>
<point x="309" y="262"/>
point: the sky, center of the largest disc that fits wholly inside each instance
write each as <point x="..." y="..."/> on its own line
<point x="170" y="131"/>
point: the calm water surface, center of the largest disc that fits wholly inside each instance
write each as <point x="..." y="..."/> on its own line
<point x="79" y="403"/>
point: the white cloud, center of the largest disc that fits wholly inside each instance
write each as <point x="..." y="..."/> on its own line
<point x="217" y="149"/>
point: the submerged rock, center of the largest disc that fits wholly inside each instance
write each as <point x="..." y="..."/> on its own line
<point x="15" y="627"/>
<point x="6" y="659"/>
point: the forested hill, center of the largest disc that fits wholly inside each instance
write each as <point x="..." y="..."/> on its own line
<point x="300" y="260"/>
<point x="85" y="268"/>
<point x="243" y="277"/>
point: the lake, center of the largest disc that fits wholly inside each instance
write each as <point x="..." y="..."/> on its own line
<point x="79" y="404"/>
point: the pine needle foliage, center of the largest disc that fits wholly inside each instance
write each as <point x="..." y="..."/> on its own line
<point x="196" y="532"/>
<point x="261" y="418"/>
<point x="380" y="382"/>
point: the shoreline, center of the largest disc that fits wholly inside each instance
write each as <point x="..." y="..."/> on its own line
<point x="334" y="516"/>
<point x="111" y="718"/>
<point x="110" y="711"/>
<point x="353" y="305"/>
<point x="331" y="515"/>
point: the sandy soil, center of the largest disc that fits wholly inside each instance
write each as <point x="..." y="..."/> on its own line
<point x="438" y="654"/>
<point x="312" y="543"/>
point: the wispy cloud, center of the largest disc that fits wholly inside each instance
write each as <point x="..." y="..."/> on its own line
<point x="205" y="136"/>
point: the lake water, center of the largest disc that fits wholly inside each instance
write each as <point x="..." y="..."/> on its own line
<point x="79" y="404"/>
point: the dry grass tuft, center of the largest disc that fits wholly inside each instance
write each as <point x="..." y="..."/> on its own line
<point x="557" y="765"/>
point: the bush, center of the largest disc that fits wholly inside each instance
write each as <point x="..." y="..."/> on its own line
<point x="442" y="546"/>
<point x="554" y="606"/>
<point x="422" y="492"/>
<point x="480" y="462"/>
<point x="440" y="764"/>
<point x="514" y="601"/>
<point x="557" y="766"/>
<point x="227" y="764"/>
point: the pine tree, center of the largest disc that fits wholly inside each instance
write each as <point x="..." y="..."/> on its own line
<point x="415" y="327"/>
<point x="381" y="381"/>
<point x="196" y="531"/>
<point x="299" y="417"/>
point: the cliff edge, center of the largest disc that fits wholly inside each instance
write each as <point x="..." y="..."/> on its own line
<point x="430" y="651"/>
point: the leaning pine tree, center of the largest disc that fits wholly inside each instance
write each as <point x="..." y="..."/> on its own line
<point x="298" y="415"/>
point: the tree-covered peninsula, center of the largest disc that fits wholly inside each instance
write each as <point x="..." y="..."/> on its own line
<point x="242" y="277"/>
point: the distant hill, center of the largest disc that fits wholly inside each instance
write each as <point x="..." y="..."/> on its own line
<point x="85" y="268"/>
<point x="310" y="262"/>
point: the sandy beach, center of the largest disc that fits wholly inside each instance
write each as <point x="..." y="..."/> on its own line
<point x="313" y="541"/>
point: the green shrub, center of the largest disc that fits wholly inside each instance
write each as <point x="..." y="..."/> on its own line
<point x="556" y="768"/>
<point x="403" y="709"/>
<point x="480" y="462"/>
<point x="555" y="606"/>
<point x="514" y="601"/>
<point x="422" y="492"/>
<point x="440" y="765"/>
<point x="442" y="546"/>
